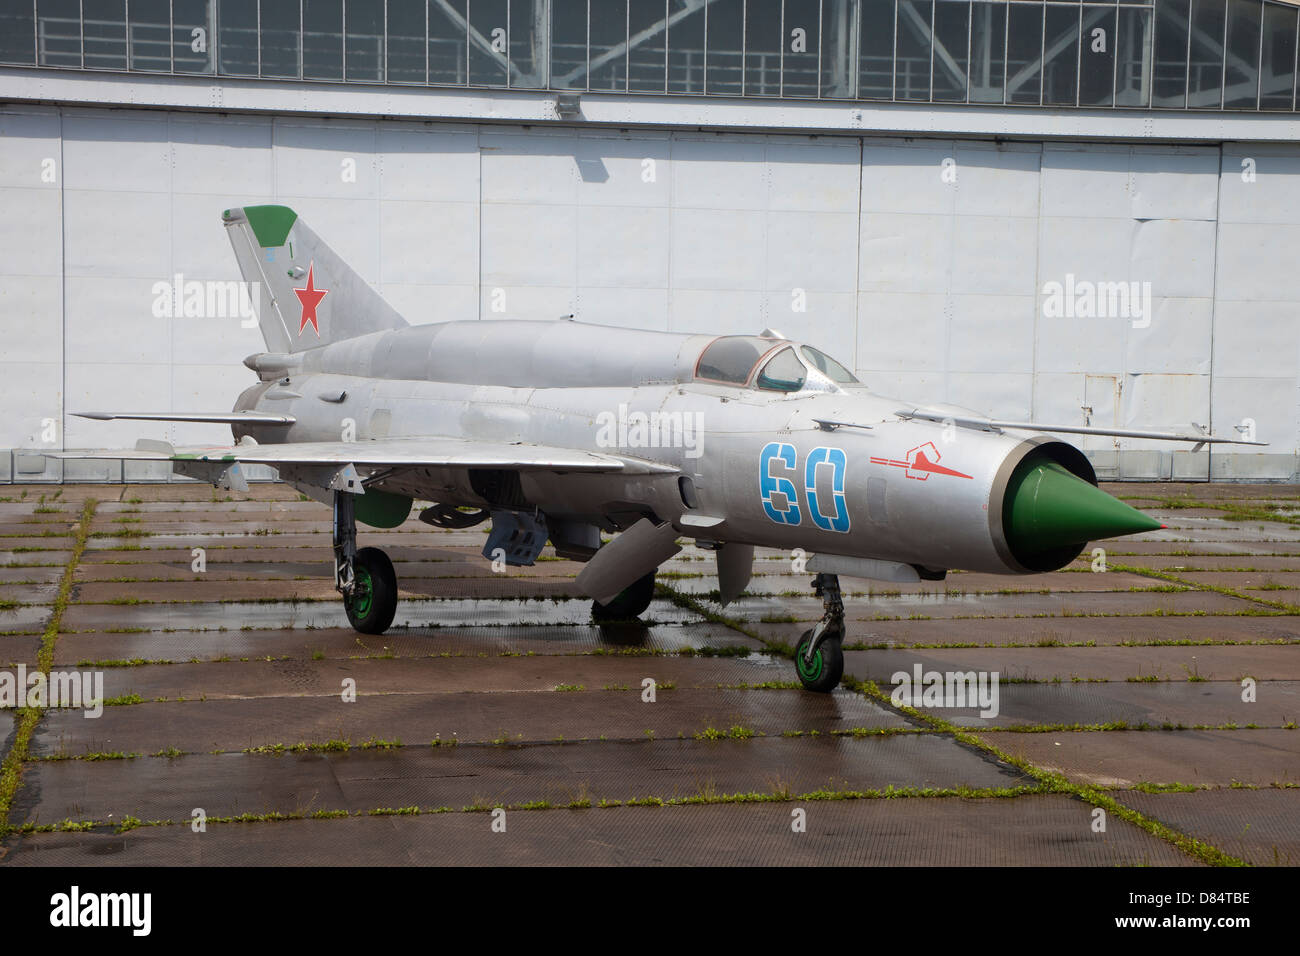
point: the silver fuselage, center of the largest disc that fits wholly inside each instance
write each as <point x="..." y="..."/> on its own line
<point x="880" y="486"/>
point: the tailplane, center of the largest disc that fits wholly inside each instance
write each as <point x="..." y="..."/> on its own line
<point x="306" y="294"/>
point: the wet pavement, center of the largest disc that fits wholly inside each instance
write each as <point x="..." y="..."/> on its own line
<point x="494" y="723"/>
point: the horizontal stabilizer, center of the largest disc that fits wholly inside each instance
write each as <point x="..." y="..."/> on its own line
<point x="214" y="418"/>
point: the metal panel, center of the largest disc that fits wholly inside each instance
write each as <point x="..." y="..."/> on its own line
<point x="1257" y="260"/>
<point x="997" y="179"/>
<point x="1256" y="339"/>
<point x="221" y="155"/>
<point x="31" y="266"/>
<point x="527" y="248"/>
<point x="1177" y="341"/>
<point x="719" y="173"/>
<point x="993" y="334"/>
<point x="903" y="178"/>
<point x="718" y="248"/>
<point x="1174" y="182"/>
<point x="424" y="243"/>
<point x="1090" y="181"/>
<point x="933" y="287"/>
<point x="623" y="247"/>
<point x="993" y="255"/>
<point x="984" y="391"/>
<point x="1260" y="183"/>
<point x="902" y="332"/>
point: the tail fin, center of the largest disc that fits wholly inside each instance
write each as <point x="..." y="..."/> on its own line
<point x="308" y="295"/>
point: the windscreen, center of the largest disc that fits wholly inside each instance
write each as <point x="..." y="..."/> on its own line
<point x="828" y="366"/>
<point x="782" y="373"/>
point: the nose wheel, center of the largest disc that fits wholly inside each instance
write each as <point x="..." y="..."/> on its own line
<point x="819" y="656"/>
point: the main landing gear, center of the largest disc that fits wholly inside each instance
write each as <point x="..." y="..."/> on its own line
<point x="819" y="658"/>
<point x="631" y="602"/>
<point x="365" y="578"/>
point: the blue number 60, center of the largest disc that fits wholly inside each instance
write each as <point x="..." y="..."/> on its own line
<point x="834" y="457"/>
<point x="769" y="484"/>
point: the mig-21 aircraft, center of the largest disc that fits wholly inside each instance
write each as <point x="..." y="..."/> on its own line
<point x="557" y="431"/>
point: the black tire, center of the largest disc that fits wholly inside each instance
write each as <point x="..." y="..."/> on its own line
<point x="630" y="603"/>
<point x="823" y="674"/>
<point x="373" y="601"/>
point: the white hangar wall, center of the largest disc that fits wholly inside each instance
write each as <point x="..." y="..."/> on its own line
<point x="922" y="262"/>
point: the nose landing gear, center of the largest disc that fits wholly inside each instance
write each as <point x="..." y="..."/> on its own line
<point x="819" y="657"/>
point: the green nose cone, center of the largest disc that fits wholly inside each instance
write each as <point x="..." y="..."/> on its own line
<point x="1048" y="510"/>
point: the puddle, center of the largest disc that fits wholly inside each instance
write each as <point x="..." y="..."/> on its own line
<point x="458" y="612"/>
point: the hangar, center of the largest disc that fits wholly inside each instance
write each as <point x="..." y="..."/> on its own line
<point x="1069" y="212"/>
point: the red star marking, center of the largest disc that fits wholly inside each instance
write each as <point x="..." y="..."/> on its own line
<point x="310" y="298"/>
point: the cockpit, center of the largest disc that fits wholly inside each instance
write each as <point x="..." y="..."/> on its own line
<point x="774" y="365"/>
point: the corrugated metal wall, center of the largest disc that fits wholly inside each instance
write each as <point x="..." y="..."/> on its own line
<point x="923" y="262"/>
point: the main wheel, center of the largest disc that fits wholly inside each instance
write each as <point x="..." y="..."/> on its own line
<point x="373" y="600"/>
<point x="822" y="674"/>
<point x="631" y="601"/>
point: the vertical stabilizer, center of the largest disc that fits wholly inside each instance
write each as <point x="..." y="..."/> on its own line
<point x="306" y="294"/>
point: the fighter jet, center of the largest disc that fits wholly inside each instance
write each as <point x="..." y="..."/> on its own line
<point x="561" y="431"/>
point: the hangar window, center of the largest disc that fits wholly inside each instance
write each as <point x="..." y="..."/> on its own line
<point x="58" y="33"/>
<point x="732" y="358"/>
<point x="1175" y="54"/>
<point x="832" y="369"/>
<point x="237" y="26"/>
<point x="448" y="47"/>
<point x="569" y="44"/>
<point x="802" y="41"/>
<point x="404" y="38"/>
<point x="150" y="48"/>
<point x="646" y="46"/>
<point x="988" y="38"/>
<point x="17" y="32"/>
<point x="685" y="36"/>
<point x="363" y="29"/>
<point x="527" y="45"/>
<point x="104" y="36"/>
<point x="1133" y="57"/>
<point x="322" y="43"/>
<point x="193" y="36"/>
<point x="281" y="32"/>
<point x="607" y="67"/>
<point x="489" y="24"/>
<point x="783" y="373"/>
<point x="1277" y="69"/>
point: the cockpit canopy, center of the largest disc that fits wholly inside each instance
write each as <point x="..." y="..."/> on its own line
<point x="774" y="365"/>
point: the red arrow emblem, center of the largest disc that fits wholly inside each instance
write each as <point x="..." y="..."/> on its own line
<point x="921" y="463"/>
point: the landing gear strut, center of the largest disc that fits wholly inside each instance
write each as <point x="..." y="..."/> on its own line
<point x="365" y="578"/>
<point x="819" y="658"/>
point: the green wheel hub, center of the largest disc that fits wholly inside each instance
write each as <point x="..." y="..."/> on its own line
<point x="809" y="671"/>
<point x="361" y="592"/>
